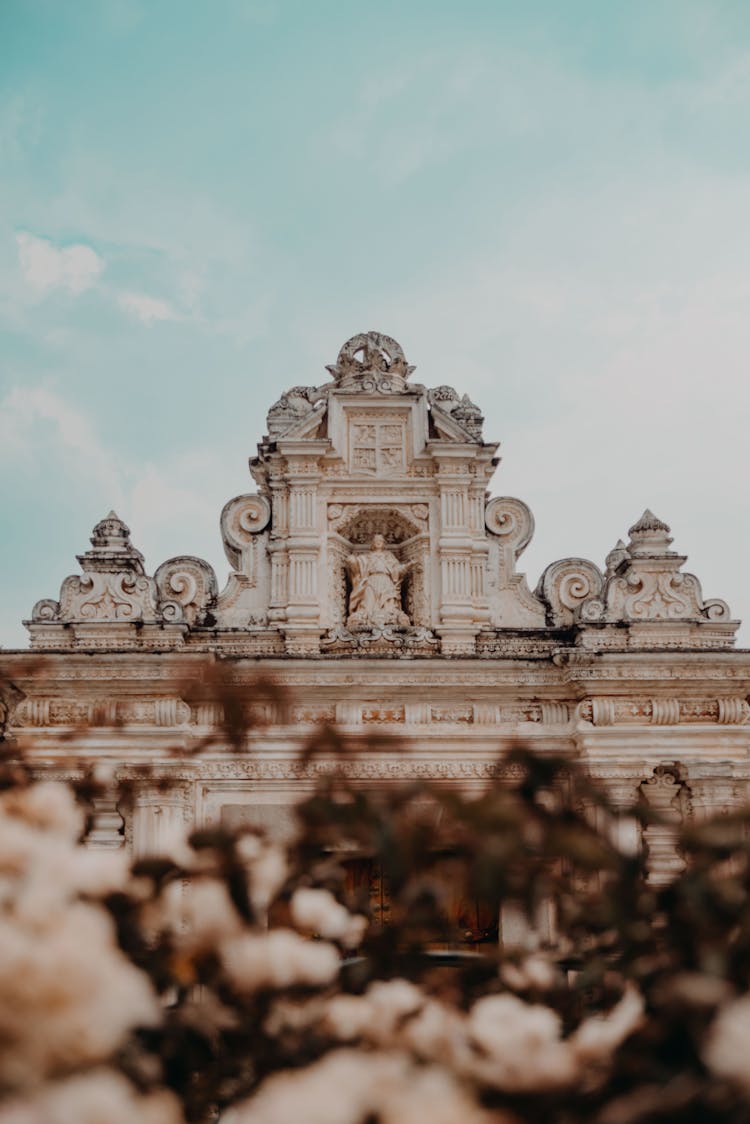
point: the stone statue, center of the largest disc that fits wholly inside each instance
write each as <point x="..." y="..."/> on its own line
<point x="376" y="577"/>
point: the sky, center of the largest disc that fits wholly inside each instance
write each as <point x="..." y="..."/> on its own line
<point x="546" y="204"/>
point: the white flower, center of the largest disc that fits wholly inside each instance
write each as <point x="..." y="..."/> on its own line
<point x="346" y="1086"/>
<point x="725" y="1050"/>
<point x="102" y="1096"/>
<point x="278" y="959"/>
<point x="47" y="805"/>
<point x="98" y="873"/>
<point x="438" y="1033"/>
<point x="47" y="873"/>
<point x="267" y="869"/>
<point x="295" y="1016"/>
<point x="336" y="1090"/>
<point x="431" y="1093"/>
<point x="533" y="971"/>
<point x="347" y="1016"/>
<point x="68" y="996"/>
<point x="376" y="1014"/>
<point x="523" y="1044"/>
<point x="317" y="911"/>
<point x="20" y="845"/>
<point x="200" y="914"/>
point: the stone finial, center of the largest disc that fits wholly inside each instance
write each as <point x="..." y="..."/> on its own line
<point x="617" y="555"/>
<point x="110" y="532"/>
<point x="373" y="359"/>
<point x="112" y="550"/>
<point x="113" y="588"/>
<point x="460" y="408"/>
<point x="650" y="535"/>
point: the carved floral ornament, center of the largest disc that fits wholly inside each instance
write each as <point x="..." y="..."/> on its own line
<point x="372" y="454"/>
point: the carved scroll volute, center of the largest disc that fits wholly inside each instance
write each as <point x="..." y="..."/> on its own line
<point x="186" y="589"/>
<point x="511" y="520"/>
<point x="46" y="610"/>
<point x="566" y="585"/>
<point x="242" y="519"/>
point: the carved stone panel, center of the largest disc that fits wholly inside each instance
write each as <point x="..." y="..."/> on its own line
<point x="377" y="443"/>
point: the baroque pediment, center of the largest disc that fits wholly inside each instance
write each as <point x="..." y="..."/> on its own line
<point x="372" y="532"/>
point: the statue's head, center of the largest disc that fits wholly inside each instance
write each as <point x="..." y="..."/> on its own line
<point x="378" y="542"/>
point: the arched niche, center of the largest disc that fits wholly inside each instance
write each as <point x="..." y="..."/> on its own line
<point x="406" y="535"/>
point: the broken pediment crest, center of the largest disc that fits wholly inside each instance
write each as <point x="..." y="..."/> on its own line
<point x="372" y="363"/>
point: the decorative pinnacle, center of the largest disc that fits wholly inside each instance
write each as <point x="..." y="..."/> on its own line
<point x="112" y="550"/>
<point x="110" y="532"/>
<point x="649" y="522"/>
<point x="617" y="555"/>
<point x="649" y="536"/>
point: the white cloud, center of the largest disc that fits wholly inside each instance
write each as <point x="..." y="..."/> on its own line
<point x="21" y="412"/>
<point x="147" y="309"/>
<point x="172" y="506"/>
<point x="45" y="266"/>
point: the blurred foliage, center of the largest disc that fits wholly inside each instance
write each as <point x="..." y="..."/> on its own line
<point x="435" y="870"/>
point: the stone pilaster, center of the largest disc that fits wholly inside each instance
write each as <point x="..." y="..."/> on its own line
<point x="161" y="818"/>
<point x="458" y="583"/>
<point x="302" y="628"/>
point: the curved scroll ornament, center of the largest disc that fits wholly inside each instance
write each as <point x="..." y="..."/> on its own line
<point x="716" y="610"/>
<point x="46" y="610"/>
<point x="511" y="520"/>
<point x="241" y="519"/>
<point x="186" y="588"/>
<point x="566" y="585"/>
<point x="511" y="602"/>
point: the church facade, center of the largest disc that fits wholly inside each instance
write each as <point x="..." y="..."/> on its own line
<point x="374" y="580"/>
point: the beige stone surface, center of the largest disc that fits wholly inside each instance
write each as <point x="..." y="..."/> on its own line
<point x="373" y="578"/>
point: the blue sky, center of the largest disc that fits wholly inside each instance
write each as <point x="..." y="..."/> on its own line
<point x="546" y="203"/>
